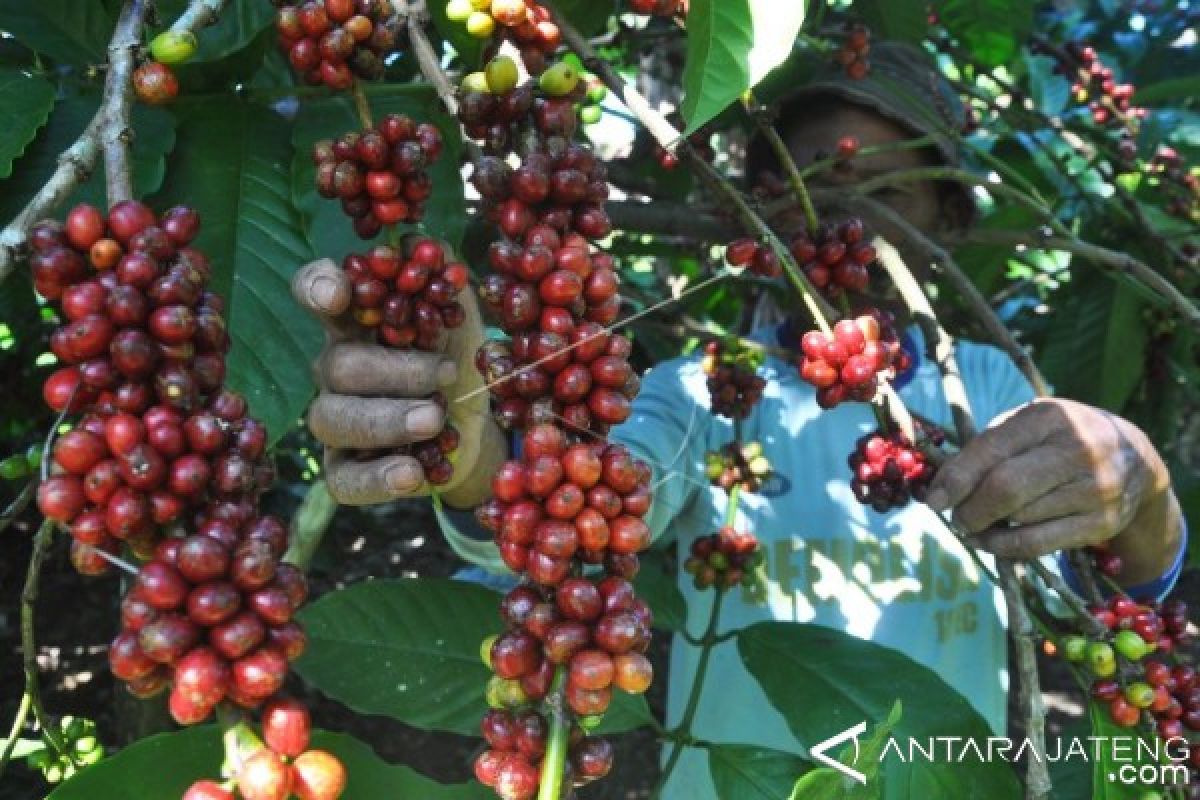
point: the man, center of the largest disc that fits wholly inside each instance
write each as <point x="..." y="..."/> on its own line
<point x="1045" y="476"/>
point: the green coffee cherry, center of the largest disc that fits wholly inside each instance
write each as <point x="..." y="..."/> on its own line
<point x="1140" y="694"/>
<point x="502" y="75"/>
<point x="1075" y="648"/>
<point x="591" y="722"/>
<point x="760" y="466"/>
<point x="171" y="47"/>
<point x="590" y="114"/>
<point x="476" y="82"/>
<point x="1130" y="645"/>
<point x="480" y="24"/>
<point x="597" y="93"/>
<point x="459" y="10"/>
<point x="1101" y="659"/>
<point x="485" y="649"/>
<point x="559" y="80"/>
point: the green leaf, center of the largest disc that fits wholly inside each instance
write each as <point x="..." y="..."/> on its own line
<point x="754" y="773"/>
<point x="1050" y="91"/>
<point x="156" y="138"/>
<point x="588" y="16"/>
<point x="1164" y="92"/>
<point x="732" y="45"/>
<point x="896" y="20"/>
<point x="469" y="48"/>
<point x="991" y="30"/>
<point x="806" y="667"/>
<point x="239" y="23"/>
<point x="163" y="766"/>
<point x="327" y="227"/>
<point x="827" y="783"/>
<point x="656" y="585"/>
<point x="405" y="649"/>
<point x="25" y="101"/>
<point x="1098" y="323"/>
<point x="1107" y="770"/>
<point x="233" y="165"/>
<point x="627" y="712"/>
<point x="69" y="31"/>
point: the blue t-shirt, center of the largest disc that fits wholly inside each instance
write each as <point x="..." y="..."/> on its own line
<point x="900" y="579"/>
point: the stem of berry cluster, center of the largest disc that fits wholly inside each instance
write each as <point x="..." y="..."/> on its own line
<point x="550" y="783"/>
<point x="825" y="164"/>
<point x="310" y="524"/>
<point x="116" y="133"/>
<point x="765" y="123"/>
<point x="199" y="14"/>
<point x="361" y="106"/>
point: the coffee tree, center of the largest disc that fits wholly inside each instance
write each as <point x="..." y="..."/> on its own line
<point x="581" y="168"/>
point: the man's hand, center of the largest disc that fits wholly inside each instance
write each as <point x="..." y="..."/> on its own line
<point x="1058" y="474"/>
<point x="375" y="398"/>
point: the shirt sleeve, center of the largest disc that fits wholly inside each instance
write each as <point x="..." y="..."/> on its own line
<point x="668" y="429"/>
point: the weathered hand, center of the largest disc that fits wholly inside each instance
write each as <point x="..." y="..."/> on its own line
<point x="1058" y="474"/>
<point x="376" y="398"/>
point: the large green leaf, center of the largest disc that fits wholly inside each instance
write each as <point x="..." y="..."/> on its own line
<point x="233" y="165"/>
<point x="754" y="773"/>
<point x="627" y="712"/>
<point x="588" y="16"/>
<point x="328" y="228"/>
<point x="827" y="783"/>
<point x="239" y="23"/>
<point x="70" y="31"/>
<point x="25" y="101"/>
<point x="991" y="30"/>
<point x="155" y="138"/>
<point x="405" y="649"/>
<point x="1098" y="323"/>
<point x="896" y="20"/>
<point x="1168" y="91"/>
<point x="163" y="766"/>
<point x="732" y="45"/>
<point x="824" y="681"/>
<point x="656" y="585"/>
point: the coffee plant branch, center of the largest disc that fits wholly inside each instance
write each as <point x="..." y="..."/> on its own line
<point x="116" y="132"/>
<point x="198" y="15"/>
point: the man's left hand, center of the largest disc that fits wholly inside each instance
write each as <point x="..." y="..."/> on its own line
<point x="1059" y="474"/>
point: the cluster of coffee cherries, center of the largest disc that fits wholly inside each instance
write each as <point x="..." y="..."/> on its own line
<point x="743" y="465"/>
<point x="332" y="41"/>
<point x="279" y="766"/>
<point x="837" y="258"/>
<point x="724" y="559"/>
<point x="1095" y="84"/>
<point x="755" y="256"/>
<point x="852" y="55"/>
<point x="164" y="460"/>
<point x="407" y="298"/>
<point x="734" y="385"/>
<point x="847" y="364"/>
<point x="379" y="174"/>
<point x="659" y="8"/>
<point x="1136" y="671"/>
<point x="525" y="23"/>
<point x="1182" y="185"/>
<point x="889" y="471"/>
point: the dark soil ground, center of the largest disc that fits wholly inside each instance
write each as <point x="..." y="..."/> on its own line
<point x="76" y="618"/>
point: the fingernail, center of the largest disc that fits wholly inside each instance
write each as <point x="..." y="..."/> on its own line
<point x="937" y="499"/>
<point x="323" y="293"/>
<point x="402" y="478"/>
<point x="447" y="373"/>
<point x="423" y="420"/>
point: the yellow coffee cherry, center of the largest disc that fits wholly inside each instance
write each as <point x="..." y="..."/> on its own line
<point x="480" y="24"/>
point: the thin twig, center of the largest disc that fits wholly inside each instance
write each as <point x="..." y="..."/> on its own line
<point x="41" y="545"/>
<point x="310" y="524"/>
<point x="18" y="505"/>
<point x="1029" y="693"/>
<point x="199" y="14"/>
<point x="116" y="133"/>
<point x="427" y="61"/>
<point x="763" y="121"/>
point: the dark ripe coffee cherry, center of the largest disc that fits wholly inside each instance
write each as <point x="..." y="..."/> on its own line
<point x="564" y="639"/>
<point x="618" y="469"/>
<point x="238" y="636"/>
<point x="129" y="218"/>
<point x="286" y="726"/>
<point x="318" y="775"/>
<point x="201" y="558"/>
<point x="518" y="604"/>
<point x="274" y="533"/>
<point x="233" y="474"/>
<point x="272" y="604"/>
<point x="578" y="599"/>
<point x="531" y="734"/>
<point x="84" y="226"/>
<point x="167" y="637"/>
<point x="89" y="337"/>
<point x="160" y="585"/>
<point x="184" y="711"/>
<point x="77" y="451"/>
<point x="634" y="673"/>
<point x="592" y="758"/>
<point x="126" y="659"/>
<point x="136" y="613"/>
<point x="213" y="603"/>
<point x="83" y="299"/>
<point x="207" y="790"/>
<point x="173" y="324"/>
<point x="606" y="501"/>
<point x="64" y="389"/>
<point x="586" y="702"/>
<point x="88" y="528"/>
<point x="516" y="779"/>
<point x="205" y="433"/>
<point x="591" y="669"/>
<point x="556" y="539"/>
<point x="508" y="484"/>
<point x="260" y="674"/>
<point x="61" y="497"/>
<point x="202" y="676"/>
<point x="126" y="306"/>
<point x="134" y="353"/>
<point x="253" y="565"/>
<point x="547" y="570"/>
<point x="618" y="633"/>
<point x="514" y="654"/>
<point x="499" y="730"/>
<point x="264" y="776"/>
<point x="541" y="618"/>
<point x="142" y="468"/>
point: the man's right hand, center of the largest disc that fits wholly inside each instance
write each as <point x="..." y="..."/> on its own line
<point x="376" y="398"/>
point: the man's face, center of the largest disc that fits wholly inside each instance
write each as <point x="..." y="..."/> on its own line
<point x="815" y="136"/>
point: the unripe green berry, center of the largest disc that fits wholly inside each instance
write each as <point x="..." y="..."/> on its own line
<point x="752" y="450"/>
<point x="480" y="24"/>
<point x="1101" y="659"/>
<point x="1075" y="648"/>
<point x="1140" y="694"/>
<point x="760" y="466"/>
<point x="718" y="561"/>
<point x="475" y="82"/>
<point x="485" y="649"/>
<point x="590" y="114"/>
<point x="171" y="47"/>
<point x="591" y="722"/>
<point x="559" y="80"/>
<point x="597" y="93"/>
<point x="1130" y="645"/>
<point x="459" y="10"/>
<point x="502" y="75"/>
